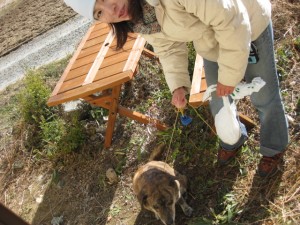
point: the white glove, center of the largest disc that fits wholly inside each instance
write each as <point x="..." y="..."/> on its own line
<point x="245" y="89"/>
<point x="240" y="91"/>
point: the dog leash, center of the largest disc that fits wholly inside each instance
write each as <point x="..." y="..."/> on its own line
<point x="172" y="135"/>
<point x="185" y="120"/>
<point x="198" y="114"/>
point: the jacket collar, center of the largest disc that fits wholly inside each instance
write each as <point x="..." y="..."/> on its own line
<point x="153" y="2"/>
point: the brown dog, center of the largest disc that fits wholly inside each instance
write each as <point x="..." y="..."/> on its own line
<point x="158" y="188"/>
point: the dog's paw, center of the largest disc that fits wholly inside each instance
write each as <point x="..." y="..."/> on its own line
<point x="188" y="211"/>
<point x="156" y="216"/>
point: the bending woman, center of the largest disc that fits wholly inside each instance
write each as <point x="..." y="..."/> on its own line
<point x="222" y="32"/>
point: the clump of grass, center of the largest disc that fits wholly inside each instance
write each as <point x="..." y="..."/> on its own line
<point x="284" y="56"/>
<point x="61" y="135"/>
<point x="33" y="99"/>
<point x="297" y="44"/>
<point x="50" y="132"/>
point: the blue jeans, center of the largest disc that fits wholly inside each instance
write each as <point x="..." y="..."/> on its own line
<point x="274" y="127"/>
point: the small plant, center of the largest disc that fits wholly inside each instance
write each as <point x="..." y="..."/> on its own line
<point x="75" y="134"/>
<point x="231" y="209"/>
<point x="286" y="55"/>
<point x="297" y="44"/>
<point x="49" y="131"/>
<point x="52" y="133"/>
<point x="61" y="136"/>
<point x="115" y="210"/>
<point x="33" y="99"/>
<point x="98" y="113"/>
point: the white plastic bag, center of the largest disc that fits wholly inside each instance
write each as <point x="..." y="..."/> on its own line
<point x="227" y="125"/>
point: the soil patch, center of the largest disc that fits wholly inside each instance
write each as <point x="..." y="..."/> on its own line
<point x="21" y="21"/>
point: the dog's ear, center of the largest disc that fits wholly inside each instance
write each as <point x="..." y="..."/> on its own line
<point x="173" y="182"/>
<point x="142" y="198"/>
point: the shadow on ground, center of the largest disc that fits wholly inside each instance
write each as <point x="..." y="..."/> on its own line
<point x="78" y="193"/>
<point x="260" y="198"/>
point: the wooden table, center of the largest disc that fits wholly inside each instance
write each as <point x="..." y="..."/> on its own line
<point x="96" y="73"/>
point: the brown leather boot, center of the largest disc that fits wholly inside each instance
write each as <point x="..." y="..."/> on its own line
<point x="224" y="156"/>
<point x="268" y="166"/>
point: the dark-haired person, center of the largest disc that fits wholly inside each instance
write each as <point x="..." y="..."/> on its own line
<point x="222" y="31"/>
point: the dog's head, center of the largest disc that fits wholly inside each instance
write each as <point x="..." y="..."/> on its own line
<point x="161" y="198"/>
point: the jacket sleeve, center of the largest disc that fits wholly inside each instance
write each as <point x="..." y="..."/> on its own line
<point x="230" y="23"/>
<point x="173" y="57"/>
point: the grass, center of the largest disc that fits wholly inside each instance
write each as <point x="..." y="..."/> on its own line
<point x="48" y="130"/>
<point x="239" y="189"/>
<point x="234" y="194"/>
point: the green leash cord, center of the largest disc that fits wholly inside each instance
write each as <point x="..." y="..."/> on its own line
<point x="176" y="120"/>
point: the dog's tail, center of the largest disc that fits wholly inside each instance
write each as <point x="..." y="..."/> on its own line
<point x="157" y="153"/>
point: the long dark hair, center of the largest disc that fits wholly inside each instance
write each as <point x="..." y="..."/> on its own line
<point x="123" y="28"/>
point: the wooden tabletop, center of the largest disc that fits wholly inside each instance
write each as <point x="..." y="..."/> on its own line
<point x="96" y="65"/>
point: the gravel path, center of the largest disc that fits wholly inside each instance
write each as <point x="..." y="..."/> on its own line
<point x="52" y="45"/>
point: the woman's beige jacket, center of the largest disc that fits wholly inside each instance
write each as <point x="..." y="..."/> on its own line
<point x="220" y="29"/>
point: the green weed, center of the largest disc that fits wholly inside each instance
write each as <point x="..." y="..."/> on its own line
<point x="287" y="54"/>
<point x="33" y="99"/>
<point x="99" y="113"/>
<point x="296" y="43"/>
<point x="52" y="133"/>
<point x="115" y="210"/>
<point x="62" y="136"/>
<point x="49" y="131"/>
<point x="230" y="211"/>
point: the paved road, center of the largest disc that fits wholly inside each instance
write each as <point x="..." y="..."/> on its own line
<point x="52" y="45"/>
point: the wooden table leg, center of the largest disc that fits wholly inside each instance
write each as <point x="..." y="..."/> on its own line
<point x="110" y="101"/>
<point x="104" y="102"/>
<point x="113" y="110"/>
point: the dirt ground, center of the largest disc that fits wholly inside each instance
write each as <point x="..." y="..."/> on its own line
<point x="75" y="191"/>
<point x="23" y="20"/>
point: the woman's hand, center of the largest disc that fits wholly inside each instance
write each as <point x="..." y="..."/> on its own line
<point x="178" y="98"/>
<point x="223" y="90"/>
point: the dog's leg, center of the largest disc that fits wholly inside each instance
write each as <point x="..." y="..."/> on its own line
<point x="156" y="216"/>
<point x="185" y="207"/>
